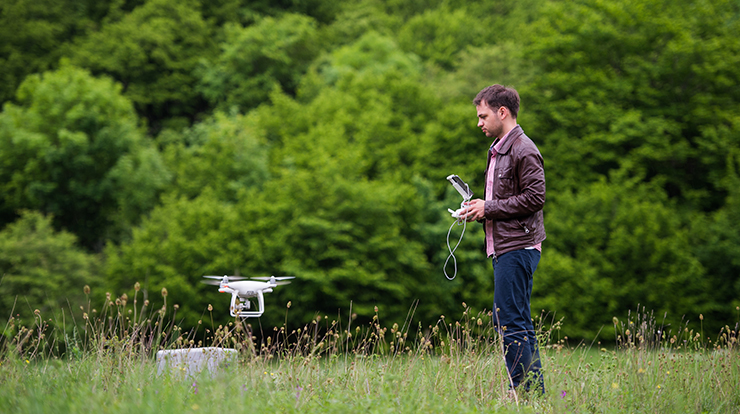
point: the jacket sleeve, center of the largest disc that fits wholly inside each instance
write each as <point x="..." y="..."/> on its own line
<point x="530" y="196"/>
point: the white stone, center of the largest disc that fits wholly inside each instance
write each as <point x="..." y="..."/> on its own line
<point x="191" y="361"/>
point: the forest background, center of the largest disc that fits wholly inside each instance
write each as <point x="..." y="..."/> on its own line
<point x="157" y="141"/>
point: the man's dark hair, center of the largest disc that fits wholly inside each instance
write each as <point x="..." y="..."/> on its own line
<point x="496" y="96"/>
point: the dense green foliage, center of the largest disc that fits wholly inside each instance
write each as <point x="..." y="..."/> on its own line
<point x="36" y="261"/>
<point x="71" y="148"/>
<point x="312" y="138"/>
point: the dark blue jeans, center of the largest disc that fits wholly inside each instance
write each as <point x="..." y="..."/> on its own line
<point x="513" y="275"/>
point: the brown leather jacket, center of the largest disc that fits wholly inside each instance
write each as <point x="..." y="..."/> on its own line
<point x="518" y="194"/>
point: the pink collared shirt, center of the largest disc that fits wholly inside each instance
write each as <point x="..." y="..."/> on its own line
<point x="490" y="251"/>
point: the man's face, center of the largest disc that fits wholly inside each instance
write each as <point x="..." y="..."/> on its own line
<point x="489" y="121"/>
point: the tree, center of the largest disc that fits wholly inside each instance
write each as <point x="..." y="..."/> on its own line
<point x="224" y="153"/>
<point x="205" y="223"/>
<point x="716" y="243"/>
<point x="34" y="34"/>
<point x="439" y="35"/>
<point x="611" y="248"/>
<point x="153" y="52"/>
<point x="42" y="269"/>
<point x="71" y="148"/>
<point x="179" y="242"/>
<point x="639" y="86"/>
<point x="635" y="92"/>
<point x="254" y="60"/>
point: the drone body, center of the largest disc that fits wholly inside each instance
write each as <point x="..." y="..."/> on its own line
<point x="242" y="290"/>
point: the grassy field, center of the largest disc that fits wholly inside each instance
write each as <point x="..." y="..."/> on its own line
<point x="108" y="366"/>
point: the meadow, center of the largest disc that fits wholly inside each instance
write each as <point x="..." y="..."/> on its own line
<point x="106" y="364"/>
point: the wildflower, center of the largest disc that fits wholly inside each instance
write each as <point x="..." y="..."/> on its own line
<point x="563" y="394"/>
<point x="210" y="308"/>
<point x="137" y="286"/>
<point x="289" y="303"/>
<point x="164" y="292"/>
<point x="86" y="289"/>
<point x="615" y="385"/>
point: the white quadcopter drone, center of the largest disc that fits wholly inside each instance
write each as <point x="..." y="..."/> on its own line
<point x="241" y="289"/>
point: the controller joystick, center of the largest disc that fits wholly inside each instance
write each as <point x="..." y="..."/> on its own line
<point x="459" y="213"/>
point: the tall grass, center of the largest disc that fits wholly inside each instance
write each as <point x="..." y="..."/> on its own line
<point x="455" y="365"/>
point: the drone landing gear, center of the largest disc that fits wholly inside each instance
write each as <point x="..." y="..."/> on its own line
<point x="237" y="309"/>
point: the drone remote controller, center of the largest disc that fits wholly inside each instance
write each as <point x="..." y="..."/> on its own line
<point x="460" y="216"/>
<point x="464" y="191"/>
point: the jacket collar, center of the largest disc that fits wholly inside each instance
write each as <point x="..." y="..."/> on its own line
<point x="506" y="146"/>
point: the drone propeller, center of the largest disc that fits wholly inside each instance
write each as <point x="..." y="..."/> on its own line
<point x="273" y="277"/>
<point x="225" y="276"/>
<point x="218" y="280"/>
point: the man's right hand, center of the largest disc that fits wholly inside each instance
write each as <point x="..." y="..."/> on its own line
<point x="476" y="209"/>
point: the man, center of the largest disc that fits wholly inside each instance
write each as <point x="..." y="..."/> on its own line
<point x="512" y="215"/>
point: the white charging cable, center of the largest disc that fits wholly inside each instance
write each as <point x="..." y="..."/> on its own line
<point x="459" y="221"/>
<point x="460" y="218"/>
